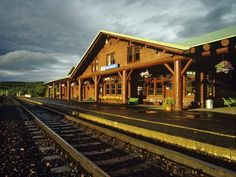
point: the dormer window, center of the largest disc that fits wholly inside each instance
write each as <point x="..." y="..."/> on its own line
<point x="133" y="53"/>
<point x="110" y="59"/>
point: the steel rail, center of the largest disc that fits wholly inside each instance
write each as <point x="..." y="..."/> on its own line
<point x="180" y="158"/>
<point x="87" y="164"/>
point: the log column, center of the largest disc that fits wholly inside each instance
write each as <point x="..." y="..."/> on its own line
<point x="79" y="87"/>
<point x="202" y="90"/>
<point x="124" y="87"/>
<point x="68" y="90"/>
<point x="95" y="88"/>
<point x="53" y="91"/>
<point x="60" y="91"/>
<point x="48" y="92"/>
<point x="178" y="85"/>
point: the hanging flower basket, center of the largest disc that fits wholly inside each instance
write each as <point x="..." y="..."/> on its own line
<point x="224" y="67"/>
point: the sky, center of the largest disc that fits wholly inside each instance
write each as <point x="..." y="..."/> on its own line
<point x="40" y="40"/>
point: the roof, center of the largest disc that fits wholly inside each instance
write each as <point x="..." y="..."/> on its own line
<point x="59" y="79"/>
<point x="171" y="45"/>
<point x="214" y="36"/>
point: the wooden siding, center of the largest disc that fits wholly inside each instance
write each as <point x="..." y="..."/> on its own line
<point x="120" y="49"/>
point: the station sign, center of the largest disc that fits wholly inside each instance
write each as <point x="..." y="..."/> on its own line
<point x="113" y="66"/>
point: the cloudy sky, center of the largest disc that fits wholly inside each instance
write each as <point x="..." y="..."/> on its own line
<point x="41" y="40"/>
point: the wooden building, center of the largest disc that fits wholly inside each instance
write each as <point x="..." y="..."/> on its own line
<point x="117" y="67"/>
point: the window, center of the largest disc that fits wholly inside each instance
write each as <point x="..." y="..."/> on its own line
<point x="118" y="88"/>
<point x="113" y="89"/>
<point x="133" y="53"/>
<point x="107" y="89"/>
<point x="136" y="53"/>
<point x="159" y="88"/>
<point x="190" y="83"/>
<point x="129" y="52"/>
<point x="151" y="89"/>
<point x="94" y="65"/>
<point x="110" y="59"/>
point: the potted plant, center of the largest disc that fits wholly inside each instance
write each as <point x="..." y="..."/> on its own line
<point x="168" y="103"/>
<point x="224" y="67"/>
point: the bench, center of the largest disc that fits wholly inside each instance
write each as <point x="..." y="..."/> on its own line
<point x="133" y="101"/>
<point x="229" y="102"/>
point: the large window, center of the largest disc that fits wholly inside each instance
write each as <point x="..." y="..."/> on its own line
<point x="190" y="83"/>
<point x="151" y="89"/>
<point x="133" y="53"/>
<point x="159" y="88"/>
<point x="110" y="59"/>
<point x="113" y="87"/>
<point x="118" y="88"/>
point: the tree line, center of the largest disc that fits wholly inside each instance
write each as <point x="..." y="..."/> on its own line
<point x="21" y="88"/>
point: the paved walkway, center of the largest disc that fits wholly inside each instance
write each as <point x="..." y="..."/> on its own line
<point x="208" y="127"/>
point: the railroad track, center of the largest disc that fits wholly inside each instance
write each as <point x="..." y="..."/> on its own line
<point x="97" y="151"/>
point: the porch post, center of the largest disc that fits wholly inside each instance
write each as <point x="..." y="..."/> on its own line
<point x="202" y="90"/>
<point x="79" y="87"/>
<point x="124" y="87"/>
<point x="48" y="92"/>
<point x="60" y="91"/>
<point x="95" y="88"/>
<point x="53" y="91"/>
<point x="178" y="85"/>
<point x="68" y="90"/>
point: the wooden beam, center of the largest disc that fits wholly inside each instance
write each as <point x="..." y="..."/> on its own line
<point x="120" y="75"/>
<point x="218" y="51"/>
<point x="169" y="68"/>
<point x="186" y="66"/>
<point x="68" y="90"/>
<point x="124" y="87"/>
<point x="178" y="86"/>
<point x="224" y="42"/>
<point x="53" y="90"/>
<point x="136" y="66"/>
<point x="99" y="77"/>
<point x="206" y="47"/>
<point x="95" y="88"/>
<point x="129" y="74"/>
<point x="192" y="50"/>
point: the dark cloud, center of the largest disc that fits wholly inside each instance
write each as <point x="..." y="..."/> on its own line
<point x="29" y="66"/>
<point x="61" y="30"/>
<point x="218" y="14"/>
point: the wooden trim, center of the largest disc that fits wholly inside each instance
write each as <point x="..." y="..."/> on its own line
<point x="129" y="74"/>
<point x="186" y="66"/>
<point x="169" y="68"/>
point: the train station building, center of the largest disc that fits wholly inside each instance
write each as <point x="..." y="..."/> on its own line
<point x="117" y="67"/>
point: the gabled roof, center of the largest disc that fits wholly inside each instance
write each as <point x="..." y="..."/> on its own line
<point x="214" y="36"/>
<point x="59" y="79"/>
<point x="103" y="34"/>
<point x="166" y="44"/>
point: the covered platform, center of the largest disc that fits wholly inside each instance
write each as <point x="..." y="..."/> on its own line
<point x="211" y="132"/>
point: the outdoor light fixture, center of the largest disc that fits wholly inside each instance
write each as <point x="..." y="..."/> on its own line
<point x="145" y="74"/>
<point x="63" y="85"/>
<point x="50" y="86"/>
<point x="109" y="79"/>
<point x="87" y="82"/>
<point x="73" y="84"/>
